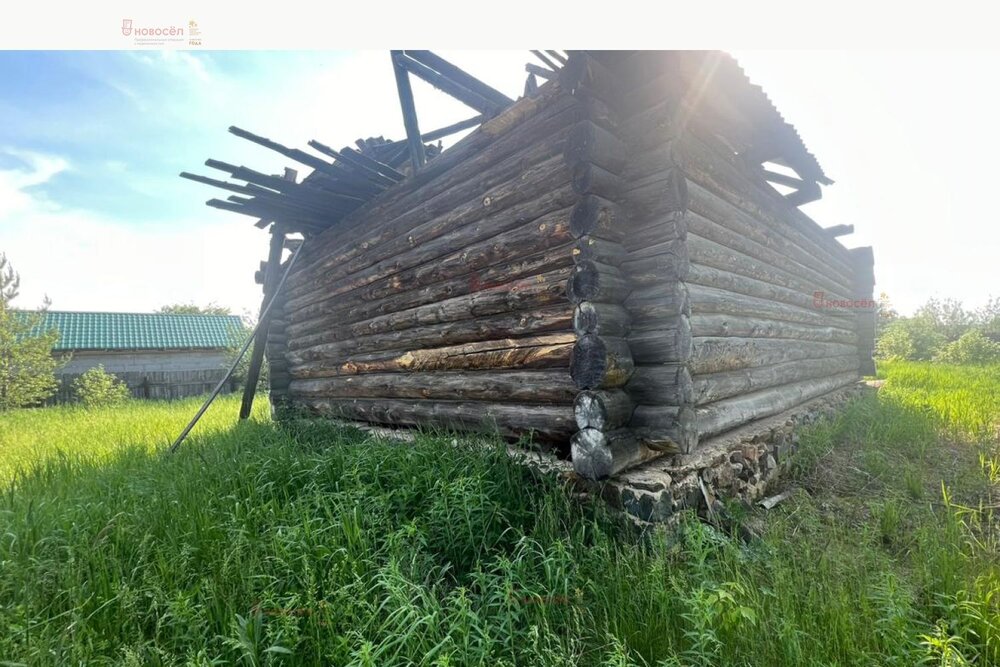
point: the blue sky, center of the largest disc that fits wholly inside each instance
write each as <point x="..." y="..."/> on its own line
<point x="93" y="214"/>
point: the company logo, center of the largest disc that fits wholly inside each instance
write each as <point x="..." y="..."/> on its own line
<point x="162" y="35"/>
<point x="820" y="301"/>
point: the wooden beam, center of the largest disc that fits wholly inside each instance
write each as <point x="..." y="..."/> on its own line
<point x="839" y="230"/>
<point x="417" y="157"/>
<point x="460" y="77"/>
<point x="446" y="85"/>
<point x="546" y="74"/>
<point x="541" y="56"/>
<point x="783" y="179"/>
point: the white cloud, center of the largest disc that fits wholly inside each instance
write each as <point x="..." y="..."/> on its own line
<point x="86" y="262"/>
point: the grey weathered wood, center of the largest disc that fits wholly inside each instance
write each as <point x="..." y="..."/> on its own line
<point x="528" y="352"/>
<point x="605" y="319"/>
<point x="716" y="355"/>
<point x="670" y="341"/>
<point x="512" y="386"/>
<point x="667" y="262"/>
<point x="599" y="250"/>
<point x="713" y="300"/>
<point x="591" y="143"/>
<point x="603" y="410"/>
<point x="717" y="386"/>
<point x="659" y="301"/>
<point x="666" y="423"/>
<point x="551" y="423"/>
<point x="599" y="455"/>
<point x="598" y="217"/>
<point x="591" y="179"/>
<point x="661" y="384"/>
<point x="599" y="362"/>
<point x="592" y="281"/>
<point x="720" y="324"/>
<point x="723" y="415"/>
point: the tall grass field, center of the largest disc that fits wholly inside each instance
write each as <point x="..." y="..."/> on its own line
<point x="311" y="544"/>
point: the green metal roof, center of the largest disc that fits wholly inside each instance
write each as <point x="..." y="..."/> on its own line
<point x="140" y="331"/>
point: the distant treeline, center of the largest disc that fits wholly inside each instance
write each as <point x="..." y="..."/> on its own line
<point x="941" y="330"/>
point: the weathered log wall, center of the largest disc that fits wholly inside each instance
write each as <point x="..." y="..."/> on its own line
<point x="771" y="300"/>
<point x="597" y="266"/>
<point x="442" y="303"/>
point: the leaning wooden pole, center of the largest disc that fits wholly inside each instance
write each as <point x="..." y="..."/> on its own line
<point x="260" y="343"/>
<point x="239" y="356"/>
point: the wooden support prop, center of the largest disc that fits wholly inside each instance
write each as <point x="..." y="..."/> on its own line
<point x="592" y="281"/>
<point x="599" y="455"/>
<point x="449" y="130"/>
<point x="531" y="86"/>
<point x="417" y="157"/>
<point x="783" y="179"/>
<point x="446" y="85"/>
<point x="604" y="319"/>
<point x="560" y="58"/>
<point x="589" y="142"/>
<point x="599" y="217"/>
<point x="379" y="173"/>
<point x="257" y="356"/>
<point x="461" y="77"/>
<point x="599" y="362"/>
<point x="603" y="410"/>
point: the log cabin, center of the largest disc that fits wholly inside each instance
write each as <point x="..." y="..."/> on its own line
<point x="615" y="264"/>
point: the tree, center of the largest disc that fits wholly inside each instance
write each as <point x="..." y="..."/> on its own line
<point x="27" y="362"/>
<point x="97" y="388"/>
<point x="191" y="309"/>
<point x="972" y="348"/>
<point x="895" y="344"/>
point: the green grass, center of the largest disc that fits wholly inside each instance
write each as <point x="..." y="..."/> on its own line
<point x="308" y="544"/>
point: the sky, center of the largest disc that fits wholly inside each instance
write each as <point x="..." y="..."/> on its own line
<point x="93" y="214"/>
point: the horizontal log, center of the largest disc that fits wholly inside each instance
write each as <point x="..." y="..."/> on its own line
<point x="591" y="281"/>
<point x="723" y="301"/>
<point x="540" y="265"/>
<point x="605" y="319"/>
<point x="750" y="254"/>
<point x="656" y="231"/>
<point x="545" y="189"/>
<point x="583" y="75"/>
<point x="598" y="217"/>
<point x="653" y="195"/>
<point x="786" y="240"/>
<point x="671" y="342"/>
<point x="716" y="355"/>
<point x="724" y="415"/>
<point x="538" y="291"/>
<point x="516" y="386"/>
<point x="716" y="324"/>
<point x="548" y="423"/>
<point x="716" y="171"/>
<point x="603" y="410"/>
<point x="661" y="384"/>
<point x="599" y="362"/>
<point x="589" y="142"/>
<point x="492" y="327"/>
<point x="529" y="352"/>
<point x="666" y="262"/>
<point x="599" y="455"/>
<point x="717" y="386"/>
<point x="598" y="250"/>
<point x="658" y="302"/>
<point x="666" y="424"/>
<point x="591" y="179"/>
<point x="458" y="253"/>
<point x="421" y="198"/>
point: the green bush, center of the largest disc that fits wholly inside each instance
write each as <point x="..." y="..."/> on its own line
<point x="896" y="344"/>
<point x="97" y="387"/>
<point x="972" y="348"/>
